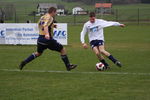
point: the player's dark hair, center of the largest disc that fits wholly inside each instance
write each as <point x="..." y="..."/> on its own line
<point x="92" y="14"/>
<point x="51" y="9"/>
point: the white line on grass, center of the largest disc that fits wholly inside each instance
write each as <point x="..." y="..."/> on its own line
<point x="50" y="71"/>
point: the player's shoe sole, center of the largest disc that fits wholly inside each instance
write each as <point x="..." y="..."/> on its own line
<point x="71" y="66"/>
<point x="22" y="64"/>
<point x="118" y="64"/>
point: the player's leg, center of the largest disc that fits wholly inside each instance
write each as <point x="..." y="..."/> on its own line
<point x="40" y="49"/>
<point x="99" y="56"/>
<point x="66" y="61"/>
<point x="29" y="59"/>
<point x="59" y="48"/>
<point x="104" y="52"/>
<point x="32" y="57"/>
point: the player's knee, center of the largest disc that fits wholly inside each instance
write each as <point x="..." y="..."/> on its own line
<point x="102" y="52"/>
<point x="97" y="53"/>
<point x="38" y="54"/>
<point x="63" y="51"/>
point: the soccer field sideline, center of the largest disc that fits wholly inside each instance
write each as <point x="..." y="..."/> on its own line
<point x="66" y="72"/>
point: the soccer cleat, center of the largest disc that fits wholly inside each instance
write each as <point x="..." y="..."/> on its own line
<point x="22" y="64"/>
<point x="71" y="66"/>
<point x="118" y="64"/>
<point x="107" y="67"/>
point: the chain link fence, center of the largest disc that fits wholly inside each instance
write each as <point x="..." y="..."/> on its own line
<point x="136" y="16"/>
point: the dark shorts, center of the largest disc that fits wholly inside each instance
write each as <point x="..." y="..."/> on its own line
<point x="95" y="43"/>
<point x="51" y="44"/>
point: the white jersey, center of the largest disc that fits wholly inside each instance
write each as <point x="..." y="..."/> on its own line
<point x="95" y="30"/>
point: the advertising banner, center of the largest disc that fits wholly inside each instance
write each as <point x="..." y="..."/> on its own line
<point x="27" y="34"/>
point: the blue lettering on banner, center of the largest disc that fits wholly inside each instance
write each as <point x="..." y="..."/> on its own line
<point x="19" y="29"/>
<point x="34" y="38"/>
<point x="27" y="29"/>
<point x="31" y="34"/>
<point x="26" y="34"/>
<point x="60" y="34"/>
<point x="13" y="29"/>
<point x="2" y="34"/>
<point x="18" y="34"/>
<point x="12" y="38"/>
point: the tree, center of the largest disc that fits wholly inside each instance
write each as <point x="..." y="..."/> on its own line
<point x="145" y="1"/>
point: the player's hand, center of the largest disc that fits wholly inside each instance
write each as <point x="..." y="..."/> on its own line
<point x="122" y="25"/>
<point x="47" y="36"/>
<point x="55" y="26"/>
<point x="85" y="46"/>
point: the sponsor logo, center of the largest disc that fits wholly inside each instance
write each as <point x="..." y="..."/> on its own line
<point x="60" y="34"/>
<point x="94" y="29"/>
<point x="2" y="33"/>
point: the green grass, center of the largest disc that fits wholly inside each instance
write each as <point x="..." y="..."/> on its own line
<point x="131" y="45"/>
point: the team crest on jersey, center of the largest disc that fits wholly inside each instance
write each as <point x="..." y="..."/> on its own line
<point x="94" y="29"/>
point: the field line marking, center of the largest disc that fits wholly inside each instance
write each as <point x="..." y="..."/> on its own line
<point x="50" y="71"/>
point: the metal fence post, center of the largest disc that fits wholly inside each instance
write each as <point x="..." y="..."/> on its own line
<point x="116" y="14"/>
<point x="34" y="18"/>
<point x="15" y="17"/>
<point x="138" y="17"/>
<point x="74" y="19"/>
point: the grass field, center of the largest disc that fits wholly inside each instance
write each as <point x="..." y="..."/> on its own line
<point x="131" y="45"/>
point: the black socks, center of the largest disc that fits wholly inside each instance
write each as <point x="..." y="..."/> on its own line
<point x="30" y="58"/>
<point x="112" y="59"/>
<point x="65" y="60"/>
<point x="104" y="62"/>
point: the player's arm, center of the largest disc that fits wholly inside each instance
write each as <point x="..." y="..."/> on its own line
<point x="82" y="37"/>
<point x="105" y="23"/>
<point x="46" y="24"/>
<point x="122" y="25"/>
<point x="54" y="25"/>
<point x="47" y="36"/>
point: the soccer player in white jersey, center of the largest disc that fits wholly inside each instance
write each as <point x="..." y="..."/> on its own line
<point x="94" y="28"/>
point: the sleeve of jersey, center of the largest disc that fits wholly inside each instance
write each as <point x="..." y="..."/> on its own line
<point x="105" y="23"/>
<point x="83" y="33"/>
<point x="47" y="22"/>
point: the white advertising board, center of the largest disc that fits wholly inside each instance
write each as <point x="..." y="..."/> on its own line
<point x="27" y="34"/>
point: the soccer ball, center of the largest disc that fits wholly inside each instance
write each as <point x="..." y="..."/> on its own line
<point x="100" y="66"/>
